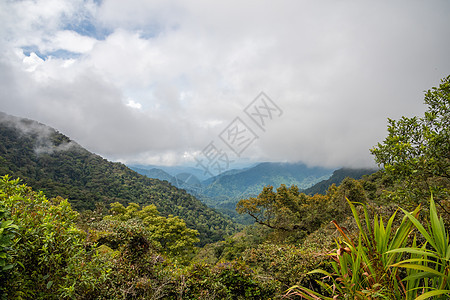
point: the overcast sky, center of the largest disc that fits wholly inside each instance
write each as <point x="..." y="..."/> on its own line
<point x="162" y="82"/>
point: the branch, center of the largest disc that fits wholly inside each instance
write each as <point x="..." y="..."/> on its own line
<point x="267" y="224"/>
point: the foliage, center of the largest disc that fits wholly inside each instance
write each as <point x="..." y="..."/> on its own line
<point x="371" y="267"/>
<point x="275" y="210"/>
<point x="8" y="231"/>
<point x="137" y="271"/>
<point x="225" y="280"/>
<point x="52" y="261"/>
<point x="233" y="248"/>
<point x="293" y="215"/>
<point x="286" y="264"/>
<point x="417" y="150"/>
<point x="429" y="265"/>
<point x="169" y="235"/>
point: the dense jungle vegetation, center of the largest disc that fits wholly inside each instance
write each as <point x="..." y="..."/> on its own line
<point x="384" y="236"/>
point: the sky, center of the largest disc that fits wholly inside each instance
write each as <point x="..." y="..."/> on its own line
<point x="202" y="82"/>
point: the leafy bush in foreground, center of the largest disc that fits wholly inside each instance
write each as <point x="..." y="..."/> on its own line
<point x="51" y="260"/>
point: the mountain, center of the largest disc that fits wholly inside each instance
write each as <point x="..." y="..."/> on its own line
<point x="174" y="170"/>
<point x="154" y="173"/>
<point x="50" y="161"/>
<point x="250" y="181"/>
<point x="336" y="178"/>
<point x="185" y="181"/>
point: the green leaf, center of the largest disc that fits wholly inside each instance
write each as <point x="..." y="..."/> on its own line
<point x="8" y="267"/>
<point x="420" y="227"/>
<point x="415" y="251"/>
<point x="418" y="267"/>
<point x="419" y="275"/>
<point x="319" y="271"/>
<point x="49" y="284"/>
<point x="438" y="230"/>
<point x="432" y="293"/>
<point x="419" y="260"/>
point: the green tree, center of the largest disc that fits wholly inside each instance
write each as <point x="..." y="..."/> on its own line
<point x="416" y="153"/>
<point x="274" y="209"/>
<point x="170" y="235"/>
<point x="293" y="214"/>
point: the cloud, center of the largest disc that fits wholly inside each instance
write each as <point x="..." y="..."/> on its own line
<point x="157" y="81"/>
<point x="42" y="133"/>
<point x="70" y="41"/>
<point x="133" y="104"/>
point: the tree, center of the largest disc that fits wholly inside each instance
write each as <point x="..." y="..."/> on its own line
<point x="291" y="212"/>
<point x="170" y="234"/>
<point x="275" y="210"/>
<point x="416" y="152"/>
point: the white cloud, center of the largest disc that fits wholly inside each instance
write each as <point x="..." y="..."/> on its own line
<point x="133" y="104"/>
<point x="170" y="75"/>
<point x="32" y="61"/>
<point x="71" y="41"/>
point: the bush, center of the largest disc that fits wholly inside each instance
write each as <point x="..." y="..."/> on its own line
<point x="287" y="264"/>
<point x="51" y="260"/>
<point x="226" y="280"/>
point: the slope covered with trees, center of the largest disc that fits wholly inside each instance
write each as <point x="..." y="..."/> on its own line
<point x="337" y="177"/>
<point x="49" y="161"/>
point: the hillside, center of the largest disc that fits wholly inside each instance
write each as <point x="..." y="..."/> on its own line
<point x="48" y="160"/>
<point x="337" y="177"/>
<point x="174" y="170"/>
<point x="250" y="181"/>
<point x="154" y="173"/>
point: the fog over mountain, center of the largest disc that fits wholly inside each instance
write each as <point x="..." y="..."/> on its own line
<point x="156" y="82"/>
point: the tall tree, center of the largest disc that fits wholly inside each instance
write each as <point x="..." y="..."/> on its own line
<point x="416" y="152"/>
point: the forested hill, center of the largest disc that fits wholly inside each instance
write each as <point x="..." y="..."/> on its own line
<point x="337" y="177"/>
<point x="49" y="161"/>
<point x="250" y="181"/>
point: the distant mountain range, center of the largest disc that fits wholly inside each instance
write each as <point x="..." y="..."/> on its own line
<point x="172" y="171"/>
<point x="239" y="183"/>
<point x="249" y="182"/>
<point x="50" y="161"/>
<point x="225" y="190"/>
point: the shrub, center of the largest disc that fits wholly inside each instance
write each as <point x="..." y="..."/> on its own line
<point x="226" y="280"/>
<point x="287" y="264"/>
<point x="51" y="260"/>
